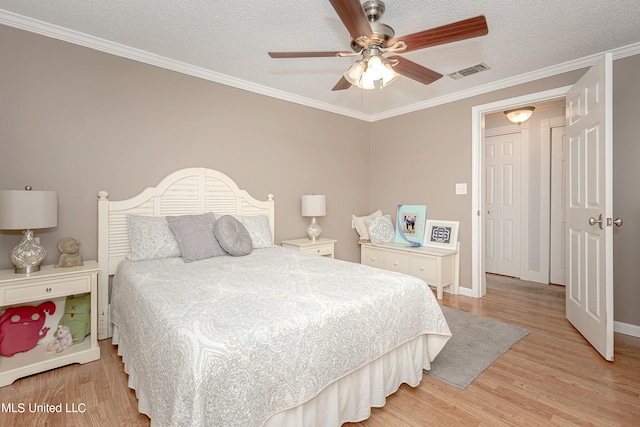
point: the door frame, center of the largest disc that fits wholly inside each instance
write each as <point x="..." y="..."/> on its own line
<point x="478" y="280"/>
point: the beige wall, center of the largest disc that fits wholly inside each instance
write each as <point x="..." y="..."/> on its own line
<point x="78" y="121"/>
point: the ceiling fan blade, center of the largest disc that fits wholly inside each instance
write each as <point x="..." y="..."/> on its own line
<point x="461" y="30"/>
<point x="342" y="84"/>
<point x="307" y="54"/>
<point x="415" y="71"/>
<point x="353" y="17"/>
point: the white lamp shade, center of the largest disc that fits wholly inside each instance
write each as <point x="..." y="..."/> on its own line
<point x="28" y="209"/>
<point x="314" y="205"/>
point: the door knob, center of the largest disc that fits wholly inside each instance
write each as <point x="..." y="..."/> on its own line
<point x="593" y="221"/>
<point x="618" y="222"/>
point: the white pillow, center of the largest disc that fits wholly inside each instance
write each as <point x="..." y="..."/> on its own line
<point x="381" y="229"/>
<point x="258" y="228"/>
<point x="361" y="227"/>
<point x="151" y="238"/>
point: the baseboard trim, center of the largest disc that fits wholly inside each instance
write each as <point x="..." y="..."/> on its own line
<point x="467" y="292"/>
<point x="626" y="329"/>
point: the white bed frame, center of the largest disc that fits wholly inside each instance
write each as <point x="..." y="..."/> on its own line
<point x="184" y="192"/>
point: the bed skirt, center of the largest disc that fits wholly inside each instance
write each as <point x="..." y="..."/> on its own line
<point x="348" y="399"/>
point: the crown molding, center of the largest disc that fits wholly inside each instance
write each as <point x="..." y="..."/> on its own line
<point x="54" y="31"/>
<point x="78" y="38"/>
<point x="585" y="62"/>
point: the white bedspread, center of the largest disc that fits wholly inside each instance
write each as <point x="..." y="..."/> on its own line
<point x="230" y="341"/>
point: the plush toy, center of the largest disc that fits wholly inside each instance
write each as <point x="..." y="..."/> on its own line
<point x="63" y="341"/>
<point x="77" y="316"/>
<point x="22" y="327"/>
<point x="69" y="249"/>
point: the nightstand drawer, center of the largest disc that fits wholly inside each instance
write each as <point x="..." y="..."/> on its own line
<point x="321" y="247"/>
<point x="46" y="289"/>
<point x="319" y="250"/>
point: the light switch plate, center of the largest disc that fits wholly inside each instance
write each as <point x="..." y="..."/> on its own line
<point x="461" y="188"/>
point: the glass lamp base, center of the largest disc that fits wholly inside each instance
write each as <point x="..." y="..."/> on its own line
<point x="27" y="255"/>
<point x="313" y="230"/>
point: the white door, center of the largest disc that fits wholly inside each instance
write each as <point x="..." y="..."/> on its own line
<point x="502" y="204"/>
<point x="558" y="239"/>
<point x="589" y="303"/>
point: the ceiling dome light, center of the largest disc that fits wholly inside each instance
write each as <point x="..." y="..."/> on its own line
<point x="519" y="115"/>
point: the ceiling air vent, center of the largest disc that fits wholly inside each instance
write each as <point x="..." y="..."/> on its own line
<point x="469" y="71"/>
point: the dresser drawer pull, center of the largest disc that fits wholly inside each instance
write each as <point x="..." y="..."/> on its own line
<point x="395" y="263"/>
<point x="373" y="258"/>
<point x="421" y="268"/>
<point x="48" y="289"/>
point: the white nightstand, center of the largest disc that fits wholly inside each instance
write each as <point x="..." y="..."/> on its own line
<point x="321" y="246"/>
<point x="49" y="284"/>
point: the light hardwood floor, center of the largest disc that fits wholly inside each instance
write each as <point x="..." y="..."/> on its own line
<point x="551" y="377"/>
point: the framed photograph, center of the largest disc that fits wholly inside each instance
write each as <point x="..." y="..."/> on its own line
<point x="410" y="224"/>
<point x="441" y="234"/>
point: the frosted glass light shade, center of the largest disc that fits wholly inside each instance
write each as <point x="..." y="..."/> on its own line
<point x="519" y="115"/>
<point x="366" y="72"/>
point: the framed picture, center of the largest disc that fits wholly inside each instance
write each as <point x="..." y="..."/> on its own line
<point x="410" y="224"/>
<point x="441" y="234"/>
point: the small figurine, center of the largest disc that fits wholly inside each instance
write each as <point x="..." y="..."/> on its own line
<point x="69" y="249"/>
<point x="63" y="340"/>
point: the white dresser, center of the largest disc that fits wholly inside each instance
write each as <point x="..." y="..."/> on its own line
<point x="46" y="285"/>
<point x="438" y="267"/>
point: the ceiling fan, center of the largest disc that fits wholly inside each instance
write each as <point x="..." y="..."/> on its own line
<point x="371" y="39"/>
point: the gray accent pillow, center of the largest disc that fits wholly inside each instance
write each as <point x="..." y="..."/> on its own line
<point x="195" y="237"/>
<point x="233" y="236"/>
<point x="151" y="238"/>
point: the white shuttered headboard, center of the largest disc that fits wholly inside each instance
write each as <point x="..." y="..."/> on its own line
<point x="185" y="192"/>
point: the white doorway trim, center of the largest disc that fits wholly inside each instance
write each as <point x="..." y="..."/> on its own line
<point x="478" y="282"/>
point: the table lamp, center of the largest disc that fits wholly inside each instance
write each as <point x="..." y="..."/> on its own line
<point x="27" y="210"/>
<point x="314" y="205"/>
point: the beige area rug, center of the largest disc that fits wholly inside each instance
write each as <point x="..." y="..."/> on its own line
<point x="536" y="290"/>
<point x="475" y="344"/>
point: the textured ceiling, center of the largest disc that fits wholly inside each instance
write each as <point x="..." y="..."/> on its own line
<point x="228" y="41"/>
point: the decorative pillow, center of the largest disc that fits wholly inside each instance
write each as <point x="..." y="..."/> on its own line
<point x="195" y="236"/>
<point x="381" y="229"/>
<point x="151" y="238"/>
<point x="361" y="227"/>
<point x="258" y="228"/>
<point x="233" y="236"/>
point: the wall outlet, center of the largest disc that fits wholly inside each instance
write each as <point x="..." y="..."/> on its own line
<point x="461" y="188"/>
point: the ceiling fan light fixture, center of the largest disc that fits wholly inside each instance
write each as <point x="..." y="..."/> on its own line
<point x="355" y="72"/>
<point x="519" y="115"/>
<point x="371" y="72"/>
